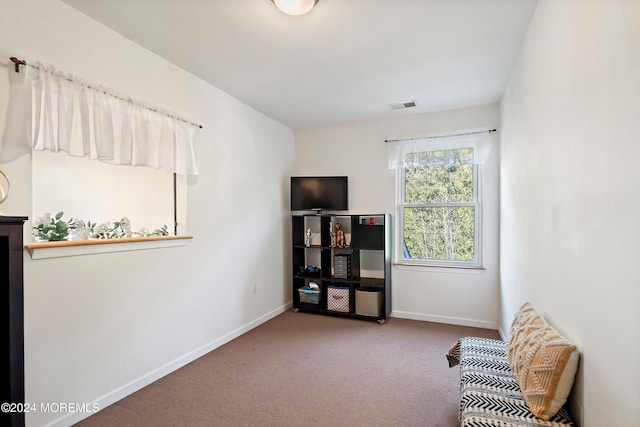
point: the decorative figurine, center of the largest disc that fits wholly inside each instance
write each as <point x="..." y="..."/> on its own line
<point x="307" y="240"/>
<point x="332" y="241"/>
<point x="339" y="239"/>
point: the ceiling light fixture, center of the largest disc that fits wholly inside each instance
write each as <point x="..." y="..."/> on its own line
<point x="295" y="7"/>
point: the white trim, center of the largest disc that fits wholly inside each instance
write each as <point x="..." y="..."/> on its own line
<point x="457" y="269"/>
<point x="503" y="336"/>
<point x="50" y="250"/>
<point x="459" y="321"/>
<point x="143" y="381"/>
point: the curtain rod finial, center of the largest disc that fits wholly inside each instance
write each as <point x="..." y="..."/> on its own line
<point x="18" y="63"/>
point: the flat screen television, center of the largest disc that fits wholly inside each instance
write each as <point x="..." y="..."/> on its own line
<point x="318" y="193"/>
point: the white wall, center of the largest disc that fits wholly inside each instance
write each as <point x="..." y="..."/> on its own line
<point x="98" y="327"/>
<point x="569" y="200"/>
<point x="359" y="151"/>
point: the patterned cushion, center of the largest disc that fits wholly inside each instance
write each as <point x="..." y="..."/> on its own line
<point x="543" y="362"/>
<point x="489" y="394"/>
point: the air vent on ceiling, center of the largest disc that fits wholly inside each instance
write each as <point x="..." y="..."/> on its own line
<point x="402" y="105"/>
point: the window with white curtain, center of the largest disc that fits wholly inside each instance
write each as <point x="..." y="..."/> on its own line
<point x="62" y="113"/>
<point x="439" y="199"/>
<point x="68" y="123"/>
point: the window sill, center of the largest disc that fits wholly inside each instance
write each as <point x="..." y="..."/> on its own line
<point x="46" y="250"/>
<point x="440" y="268"/>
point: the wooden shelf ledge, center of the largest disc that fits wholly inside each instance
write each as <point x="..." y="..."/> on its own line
<point x="43" y="250"/>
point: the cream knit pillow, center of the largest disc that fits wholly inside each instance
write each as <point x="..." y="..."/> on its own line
<point x="525" y="322"/>
<point x="542" y="361"/>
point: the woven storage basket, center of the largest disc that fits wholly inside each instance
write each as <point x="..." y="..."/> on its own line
<point x="338" y="299"/>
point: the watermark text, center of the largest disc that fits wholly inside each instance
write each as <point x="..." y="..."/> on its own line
<point x="50" y="407"/>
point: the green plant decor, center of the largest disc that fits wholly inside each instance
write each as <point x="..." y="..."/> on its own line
<point x="53" y="229"/>
<point x="118" y="230"/>
<point x="121" y="229"/>
<point x="48" y="229"/>
<point x="160" y="231"/>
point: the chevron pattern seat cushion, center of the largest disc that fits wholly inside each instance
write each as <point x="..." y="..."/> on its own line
<point x="489" y="393"/>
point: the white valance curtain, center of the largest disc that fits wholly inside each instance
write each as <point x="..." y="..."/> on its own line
<point x="403" y="152"/>
<point x="64" y="113"/>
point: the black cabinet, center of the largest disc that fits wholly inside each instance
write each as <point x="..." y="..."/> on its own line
<point x="348" y="277"/>
<point x="12" y="297"/>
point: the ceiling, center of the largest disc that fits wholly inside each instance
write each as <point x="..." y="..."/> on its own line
<point x="346" y="60"/>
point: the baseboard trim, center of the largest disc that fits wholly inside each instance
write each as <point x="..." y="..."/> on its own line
<point x="501" y="332"/>
<point x="459" y="321"/>
<point x="143" y="381"/>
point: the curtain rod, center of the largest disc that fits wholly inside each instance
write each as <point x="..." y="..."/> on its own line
<point x="19" y="62"/>
<point x="439" y="136"/>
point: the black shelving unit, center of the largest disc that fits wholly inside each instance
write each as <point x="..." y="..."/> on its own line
<point x="367" y="253"/>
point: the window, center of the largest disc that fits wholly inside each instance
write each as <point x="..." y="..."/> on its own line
<point x="95" y="191"/>
<point x="439" y="208"/>
<point x="53" y="113"/>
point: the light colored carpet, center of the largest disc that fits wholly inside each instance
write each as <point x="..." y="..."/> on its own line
<point x="302" y="369"/>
